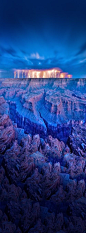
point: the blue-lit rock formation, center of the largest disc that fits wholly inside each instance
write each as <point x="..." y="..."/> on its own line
<point x="46" y="106"/>
<point x="60" y="131"/>
<point x="42" y="179"/>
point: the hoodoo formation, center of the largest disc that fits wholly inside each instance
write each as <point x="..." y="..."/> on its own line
<point x="42" y="155"/>
<point x="44" y="73"/>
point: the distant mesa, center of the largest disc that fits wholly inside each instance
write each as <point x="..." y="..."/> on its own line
<point x="43" y="73"/>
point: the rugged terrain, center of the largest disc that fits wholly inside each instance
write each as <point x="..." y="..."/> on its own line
<point x="42" y="156"/>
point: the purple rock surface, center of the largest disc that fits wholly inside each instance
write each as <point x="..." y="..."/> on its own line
<point x="43" y="156"/>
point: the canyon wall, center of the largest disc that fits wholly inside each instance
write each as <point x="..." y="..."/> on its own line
<point x="45" y="106"/>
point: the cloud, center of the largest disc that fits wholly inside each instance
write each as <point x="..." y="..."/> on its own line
<point x="36" y="56"/>
<point x="22" y="63"/>
<point x="11" y="51"/>
<point x="23" y="52"/>
<point x="8" y="50"/>
<point x="82" y="49"/>
<point x="82" y="61"/>
<point x="19" y="59"/>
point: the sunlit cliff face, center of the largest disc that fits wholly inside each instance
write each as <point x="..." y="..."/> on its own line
<point x="48" y="73"/>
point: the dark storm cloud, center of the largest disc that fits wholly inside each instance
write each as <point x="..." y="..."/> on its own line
<point x="23" y="52"/>
<point x="49" y="29"/>
<point x="20" y="63"/>
<point x="82" y="49"/>
<point x="15" y="13"/>
<point x="10" y="51"/>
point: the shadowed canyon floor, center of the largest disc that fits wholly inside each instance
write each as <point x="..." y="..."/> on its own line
<point x="43" y="155"/>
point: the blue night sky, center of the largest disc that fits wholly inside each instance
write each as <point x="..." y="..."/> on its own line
<point x="43" y="34"/>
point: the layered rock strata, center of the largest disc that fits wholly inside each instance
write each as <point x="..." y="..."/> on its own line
<point x="42" y="179"/>
<point x="46" y="107"/>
